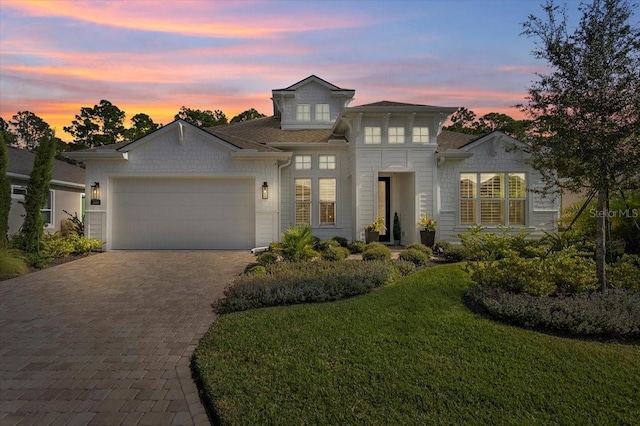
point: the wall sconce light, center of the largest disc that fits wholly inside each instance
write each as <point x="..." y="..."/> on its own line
<point x="265" y="191"/>
<point x="95" y="194"/>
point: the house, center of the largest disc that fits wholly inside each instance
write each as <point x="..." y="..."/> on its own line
<point x="317" y="161"/>
<point x="66" y="190"/>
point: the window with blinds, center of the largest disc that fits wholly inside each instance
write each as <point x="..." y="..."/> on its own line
<point x="303" y="202"/>
<point x="493" y="199"/>
<point x="327" y="191"/>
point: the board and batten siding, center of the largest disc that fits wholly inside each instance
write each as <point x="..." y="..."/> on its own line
<point x="542" y="212"/>
<point x="200" y="155"/>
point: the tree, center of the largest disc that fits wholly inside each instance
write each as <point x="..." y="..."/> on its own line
<point x="201" y="118"/>
<point x="5" y="192"/>
<point x="101" y="125"/>
<point x="30" y="129"/>
<point x="142" y="126"/>
<point x="37" y="194"/>
<point x="465" y="121"/>
<point x="247" y="115"/>
<point x="8" y="136"/>
<point x="586" y="110"/>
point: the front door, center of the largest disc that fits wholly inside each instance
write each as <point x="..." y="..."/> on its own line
<point x="384" y="206"/>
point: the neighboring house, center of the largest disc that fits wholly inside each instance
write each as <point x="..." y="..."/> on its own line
<point x="66" y="190"/>
<point x="315" y="162"/>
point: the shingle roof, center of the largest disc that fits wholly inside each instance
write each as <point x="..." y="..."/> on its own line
<point x="257" y="133"/>
<point x="20" y="161"/>
<point x="391" y="104"/>
<point x="454" y="140"/>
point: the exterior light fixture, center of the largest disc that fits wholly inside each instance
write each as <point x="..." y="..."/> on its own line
<point x="95" y="194"/>
<point x="265" y="191"/>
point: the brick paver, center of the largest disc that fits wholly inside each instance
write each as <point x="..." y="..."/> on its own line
<point x="107" y="339"/>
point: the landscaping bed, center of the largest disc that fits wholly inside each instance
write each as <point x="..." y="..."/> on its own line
<point x="409" y="353"/>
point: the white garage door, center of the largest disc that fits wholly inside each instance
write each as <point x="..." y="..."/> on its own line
<point x="165" y="214"/>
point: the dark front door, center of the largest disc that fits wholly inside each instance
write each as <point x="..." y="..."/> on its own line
<point x="384" y="206"/>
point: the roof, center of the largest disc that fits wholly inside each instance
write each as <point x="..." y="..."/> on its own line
<point x="261" y="131"/>
<point x="454" y="140"/>
<point x="391" y="104"/>
<point x="20" y="162"/>
<point x="310" y="78"/>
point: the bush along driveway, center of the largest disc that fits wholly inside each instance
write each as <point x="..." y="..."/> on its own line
<point x="107" y="339"/>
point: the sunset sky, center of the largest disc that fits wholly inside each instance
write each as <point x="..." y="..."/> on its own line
<point x="156" y="56"/>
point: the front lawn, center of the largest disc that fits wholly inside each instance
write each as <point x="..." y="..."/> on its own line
<point x="409" y="353"/>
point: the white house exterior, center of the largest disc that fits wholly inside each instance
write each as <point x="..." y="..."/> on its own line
<point x="316" y="161"/>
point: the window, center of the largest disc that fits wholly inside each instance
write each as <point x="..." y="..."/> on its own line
<point x="303" y="162"/>
<point x="396" y="135"/>
<point x="303" y="112"/>
<point x="327" y="201"/>
<point x="47" y="211"/>
<point x="327" y="162"/>
<point x="492" y="198"/>
<point x="18" y="192"/>
<point x="420" y="135"/>
<point x="303" y="202"/>
<point x="372" y="135"/>
<point x="322" y="112"/>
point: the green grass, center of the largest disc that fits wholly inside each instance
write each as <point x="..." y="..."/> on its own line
<point x="409" y="353"/>
<point x="12" y="262"/>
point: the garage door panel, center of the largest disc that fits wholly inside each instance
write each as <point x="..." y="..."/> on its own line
<point x="183" y="213"/>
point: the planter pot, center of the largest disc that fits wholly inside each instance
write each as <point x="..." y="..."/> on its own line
<point x="428" y="238"/>
<point x="371" y="236"/>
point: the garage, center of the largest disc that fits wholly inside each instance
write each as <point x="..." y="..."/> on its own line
<point x="183" y="213"/>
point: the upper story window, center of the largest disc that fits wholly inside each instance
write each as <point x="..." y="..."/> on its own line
<point x="327" y="162"/>
<point x="303" y="112"/>
<point x="322" y="112"/>
<point x="493" y="198"/>
<point x="372" y="135"/>
<point x="303" y="162"/>
<point x="396" y="135"/>
<point x="420" y="135"/>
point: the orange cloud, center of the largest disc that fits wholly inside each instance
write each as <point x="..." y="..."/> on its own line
<point x="193" y="18"/>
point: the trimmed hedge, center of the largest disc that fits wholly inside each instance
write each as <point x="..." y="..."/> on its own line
<point x="305" y="282"/>
<point x="614" y="314"/>
<point x="415" y="256"/>
<point x="376" y="252"/>
<point x="334" y="254"/>
<point x="420" y="247"/>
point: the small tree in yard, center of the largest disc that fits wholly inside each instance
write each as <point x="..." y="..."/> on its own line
<point x="586" y="110"/>
<point x="5" y="193"/>
<point x="37" y="193"/>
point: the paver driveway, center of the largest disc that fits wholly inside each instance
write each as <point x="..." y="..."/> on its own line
<point x="107" y="339"/>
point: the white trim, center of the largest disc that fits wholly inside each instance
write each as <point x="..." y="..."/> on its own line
<point x="53" y="181"/>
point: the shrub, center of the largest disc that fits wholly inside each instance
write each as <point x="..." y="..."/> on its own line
<point x="571" y="272"/>
<point x="12" y="262"/>
<point x="323" y="245"/>
<point x="57" y="245"/>
<point x="415" y="256"/>
<point x="357" y="247"/>
<point x="420" y="247"/>
<point x="257" y="270"/>
<point x="267" y="258"/>
<point x="342" y="241"/>
<point x="625" y="274"/>
<point x="456" y="253"/>
<point x="297" y="244"/>
<point x="402" y="267"/>
<point x="287" y="284"/>
<point x="615" y="313"/>
<point x="38" y="260"/>
<point x="441" y="246"/>
<point x="376" y="251"/>
<point x="335" y="253"/>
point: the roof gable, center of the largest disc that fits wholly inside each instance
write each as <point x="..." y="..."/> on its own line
<point x="495" y="136"/>
<point x="312" y="78"/>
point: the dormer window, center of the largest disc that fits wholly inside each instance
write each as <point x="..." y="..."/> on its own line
<point x="303" y="112"/>
<point x="322" y="112"/>
<point x="396" y="135"/>
<point x="372" y="135"/>
<point x="420" y="135"/>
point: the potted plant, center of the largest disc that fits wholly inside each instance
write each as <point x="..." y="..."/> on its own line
<point x="372" y="232"/>
<point x="427" y="231"/>
<point x="397" y="230"/>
